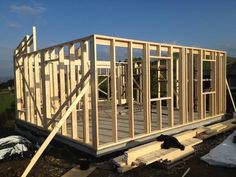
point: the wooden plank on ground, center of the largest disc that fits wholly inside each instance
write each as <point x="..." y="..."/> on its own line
<point x="77" y="172"/>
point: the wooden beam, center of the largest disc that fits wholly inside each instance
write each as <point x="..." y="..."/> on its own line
<point x="217" y="82"/>
<point x="170" y="88"/>
<point x="140" y="72"/>
<point x="32" y="86"/>
<point x="54" y="73"/>
<point x="34" y="39"/>
<point x="78" y="71"/>
<point x="204" y="97"/>
<point x="182" y="87"/>
<point x="200" y="85"/>
<point x="190" y="86"/>
<point x="224" y="81"/>
<point x="72" y="87"/>
<point x="146" y="89"/>
<point x="159" y="115"/>
<point x="113" y="91"/>
<point x="46" y="86"/>
<point x="177" y="84"/>
<point x="220" y="83"/>
<point x="62" y="85"/>
<point x="84" y="68"/>
<point x="119" y="82"/>
<point x="186" y="86"/>
<point x="158" y="72"/>
<point x="37" y="69"/>
<point x="108" y="84"/>
<point x="26" y="89"/>
<point x="94" y="91"/>
<point x="230" y="94"/>
<point x="212" y="98"/>
<point x="130" y="91"/>
<point x="18" y="86"/>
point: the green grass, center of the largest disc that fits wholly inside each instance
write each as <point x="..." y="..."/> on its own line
<point x="6" y="101"/>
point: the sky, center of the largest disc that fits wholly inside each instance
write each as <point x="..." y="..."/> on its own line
<point x="199" y="23"/>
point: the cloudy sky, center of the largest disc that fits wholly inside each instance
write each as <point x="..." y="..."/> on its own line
<point x="210" y="24"/>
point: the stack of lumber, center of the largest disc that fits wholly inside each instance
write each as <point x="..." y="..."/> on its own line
<point x="152" y="152"/>
<point x="212" y="130"/>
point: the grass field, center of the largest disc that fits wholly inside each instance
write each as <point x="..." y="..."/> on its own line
<point x="7" y="112"/>
<point x="6" y="100"/>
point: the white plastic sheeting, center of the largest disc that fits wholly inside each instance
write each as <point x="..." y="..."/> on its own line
<point x="16" y="146"/>
<point x="224" y="154"/>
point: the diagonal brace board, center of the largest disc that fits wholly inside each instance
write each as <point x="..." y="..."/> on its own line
<point x="65" y="103"/>
<point x="102" y="81"/>
<point x="26" y="44"/>
<point x="230" y="94"/>
<point x="55" y="130"/>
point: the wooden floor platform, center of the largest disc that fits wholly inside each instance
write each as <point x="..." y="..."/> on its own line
<point x="105" y="121"/>
<point x="105" y="130"/>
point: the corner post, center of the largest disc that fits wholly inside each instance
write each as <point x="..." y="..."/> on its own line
<point x="94" y="91"/>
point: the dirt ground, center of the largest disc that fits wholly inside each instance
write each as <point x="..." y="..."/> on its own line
<point x="58" y="159"/>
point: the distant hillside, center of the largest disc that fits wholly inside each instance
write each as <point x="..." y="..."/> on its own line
<point x="5" y="85"/>
<point x="230" y="60"/>
<point x="231" y="66"/>
<point x="4" y="79"/>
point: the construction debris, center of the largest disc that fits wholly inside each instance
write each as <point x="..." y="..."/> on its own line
<point x="77" y="172"/>
<point x="212" y="130"/>
<point x="186" y="172"/>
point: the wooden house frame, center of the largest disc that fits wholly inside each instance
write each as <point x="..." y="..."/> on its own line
<point x="110" y="103"/>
